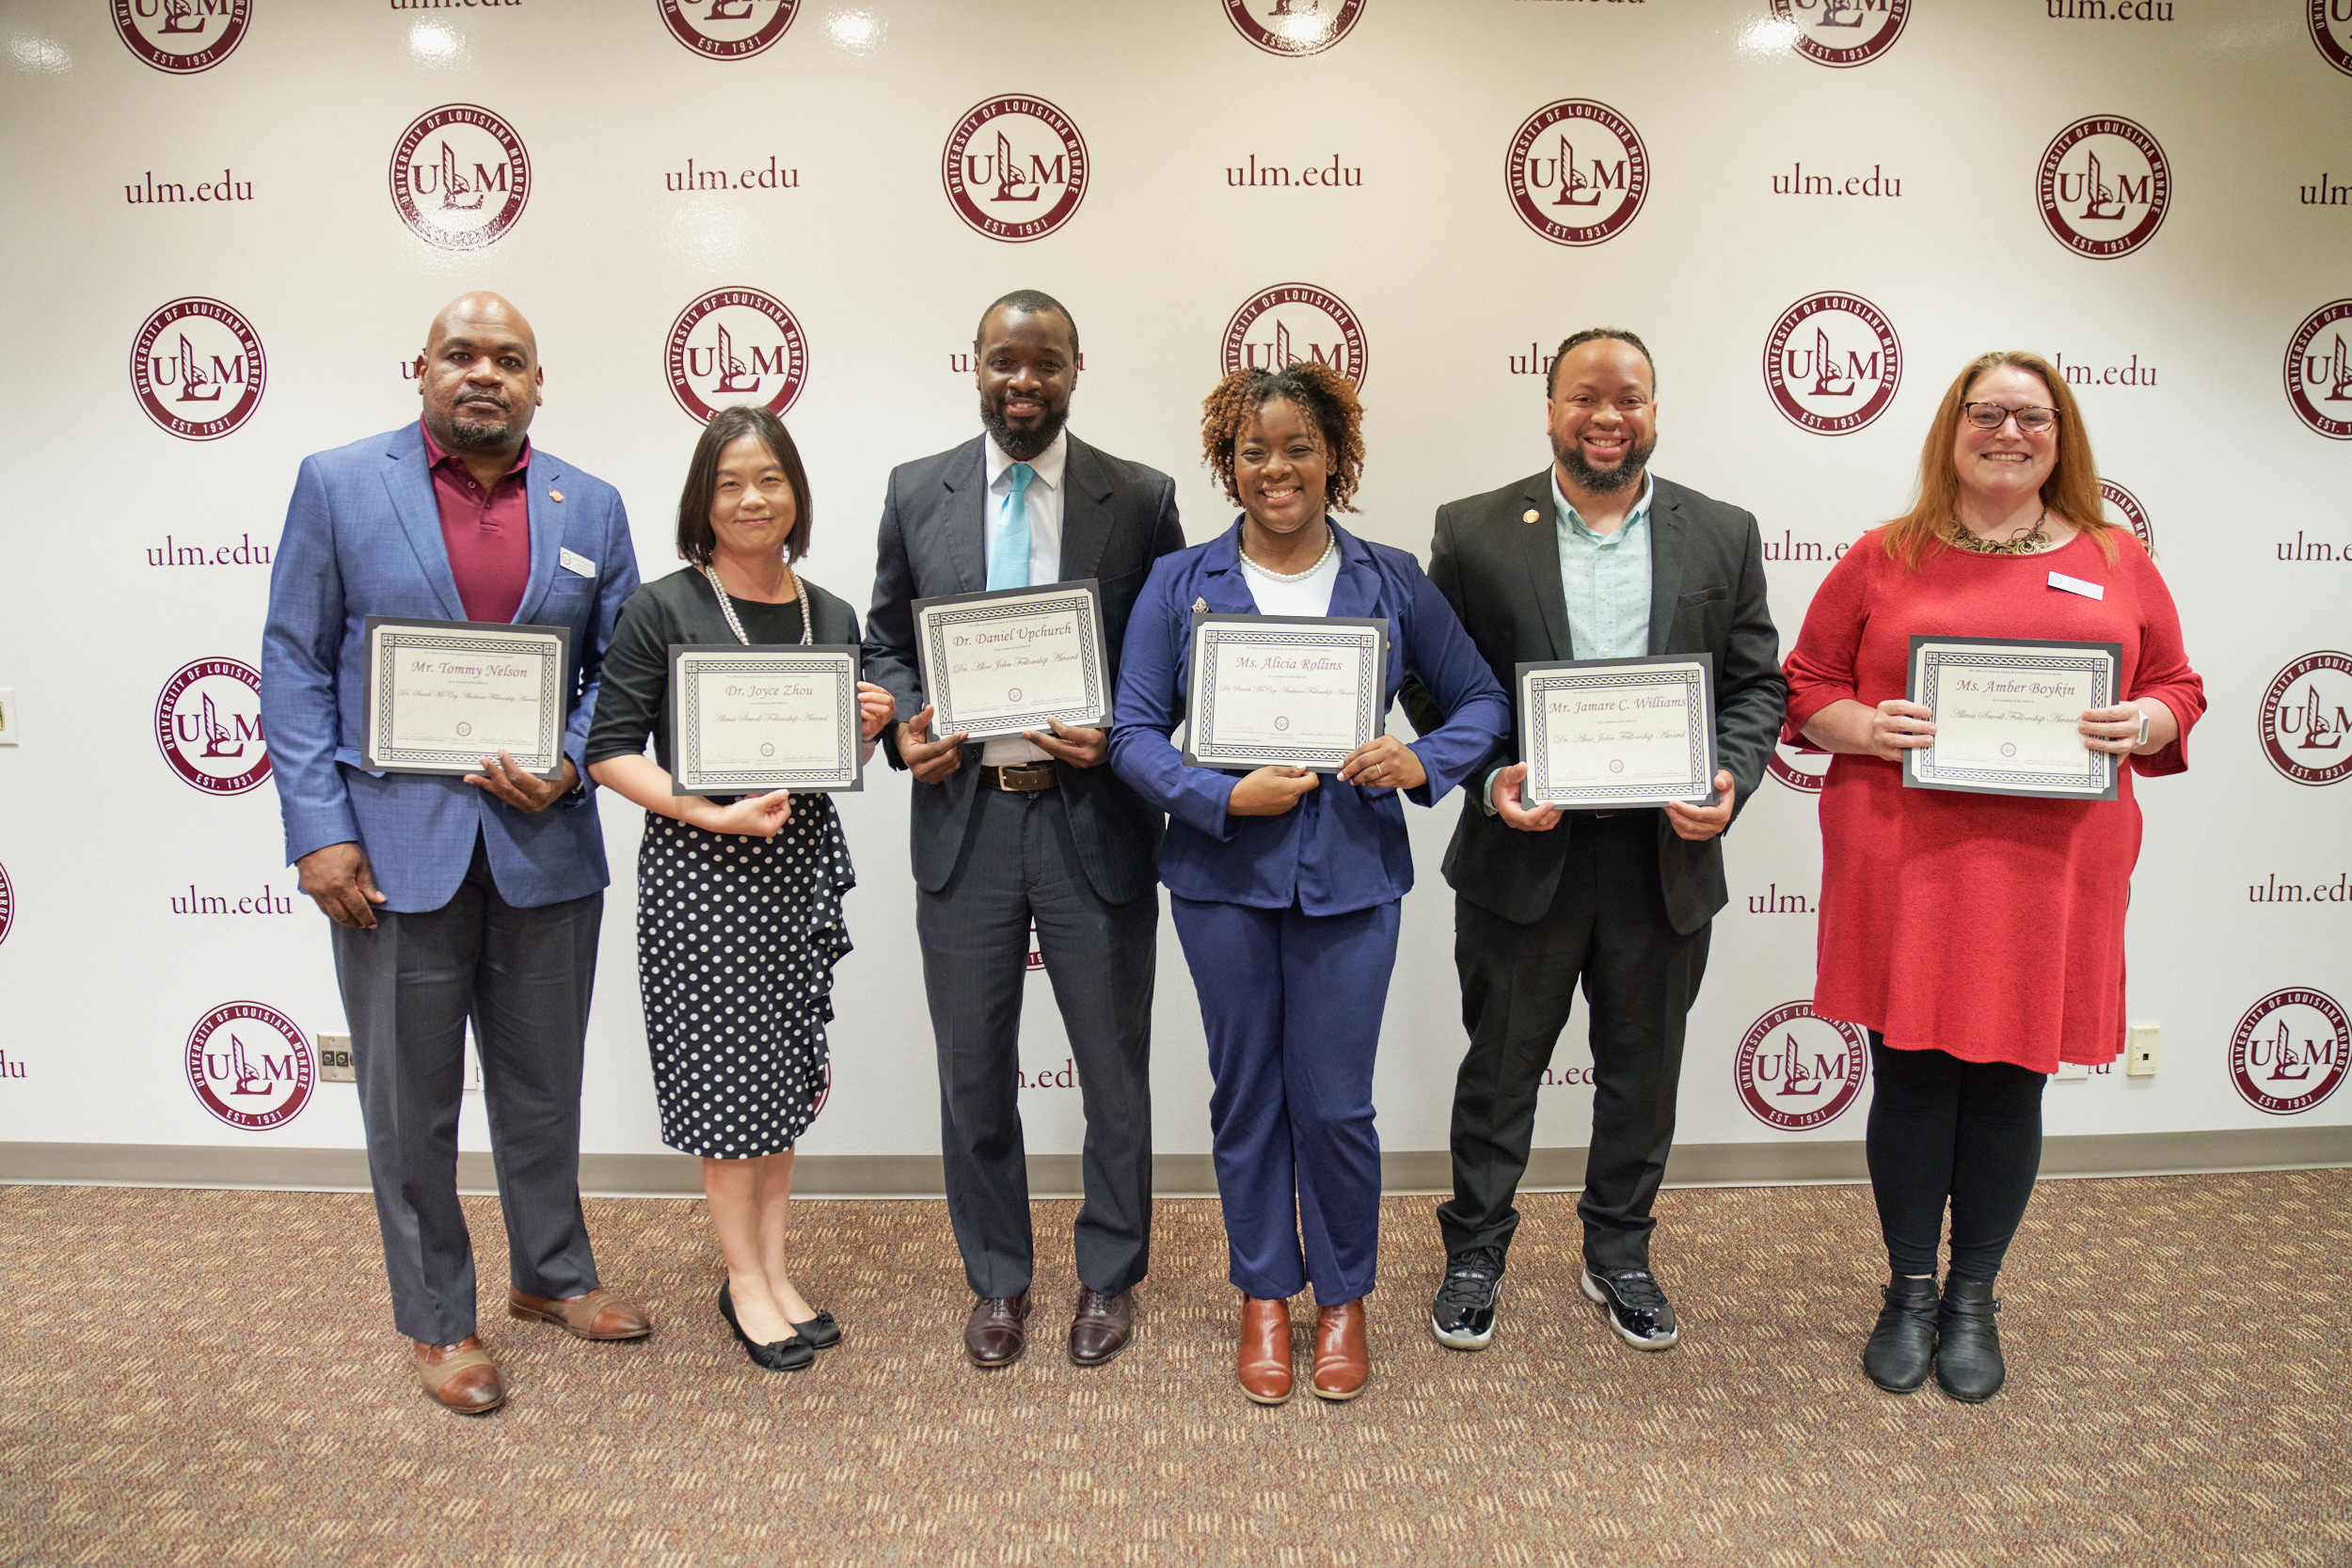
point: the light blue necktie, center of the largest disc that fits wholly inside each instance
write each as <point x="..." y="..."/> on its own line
<point x="1008" y="548"/>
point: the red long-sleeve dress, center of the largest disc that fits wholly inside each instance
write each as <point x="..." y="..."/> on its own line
<point x="1989" y="926"/>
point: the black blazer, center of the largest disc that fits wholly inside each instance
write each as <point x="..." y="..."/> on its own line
<point x="1502" y="575"/>
<point x="1118" y="518"/>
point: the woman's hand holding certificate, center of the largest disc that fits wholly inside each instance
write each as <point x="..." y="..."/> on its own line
<point x="2009" y="716"/>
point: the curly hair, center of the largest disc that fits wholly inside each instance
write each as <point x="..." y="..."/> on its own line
<point x="1323" y="394"/>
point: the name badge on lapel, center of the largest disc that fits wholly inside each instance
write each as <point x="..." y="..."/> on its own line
<point x="2076" y="585"/>
<point x="576" y="563"/>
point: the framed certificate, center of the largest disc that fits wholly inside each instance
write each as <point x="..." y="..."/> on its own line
<point x="1617" y="734"/>
<point x="444" y="695"/>
<point x="2005" y="714"/>
<point x="996" y="664"/>
<point x="744" y="721"/>
<point x="1284" y="690"/>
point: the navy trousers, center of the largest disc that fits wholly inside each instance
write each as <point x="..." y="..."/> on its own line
<point x="1292" y="1002"/>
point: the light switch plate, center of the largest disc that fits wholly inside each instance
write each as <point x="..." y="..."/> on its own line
<point x="2140" y="1051"/>
<point x="335" y="1060"/>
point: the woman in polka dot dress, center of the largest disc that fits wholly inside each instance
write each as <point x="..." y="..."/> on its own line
<point x="739" y="900"/>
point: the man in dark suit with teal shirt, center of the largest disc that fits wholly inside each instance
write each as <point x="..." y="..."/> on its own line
<point x="1030" y="829"/>
<point x="1593" y="557"/>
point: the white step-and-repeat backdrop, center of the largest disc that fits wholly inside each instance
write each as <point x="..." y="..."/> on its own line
<point x="235" y="218"/>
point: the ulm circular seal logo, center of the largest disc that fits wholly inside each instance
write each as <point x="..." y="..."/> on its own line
<point x="2306" y="719"/>
<point x="1803" y="771"/>
<point x="2331" y="31"/>
<point x="1293" y="322"/>
<point x="182" y="37"/>
<point x="1578" y="172"/>
<point x="198" y="369"/>
<point x="250" y="1065"/>
<point x="7" y="904"/>
<point x="1841" y="32"/>
<point x="1797" y="1069"/>
<point x="2319" y="375"/>
<point x="2290" y="1051"/>
<point x="2125" y="510"/>
<point x="459" y="177"/>
<point x="727" y="29"/>
<point x="1832" y="363"/>
<point x="208" y="723"/>
<point x="2103" y="187"/>
<point x="1293" y="27"/>
<point x="1015" y="168"/>
<point x="736" y="345"/>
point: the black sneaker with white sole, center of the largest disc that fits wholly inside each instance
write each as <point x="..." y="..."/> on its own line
<point x="1463" y="1316"/>
<point x="1634" y="1306"/>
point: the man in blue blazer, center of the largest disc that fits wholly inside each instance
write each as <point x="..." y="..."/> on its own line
<point x="454" y="898"/>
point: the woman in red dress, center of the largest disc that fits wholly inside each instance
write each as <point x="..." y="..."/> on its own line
<point x="1979" y="938"/>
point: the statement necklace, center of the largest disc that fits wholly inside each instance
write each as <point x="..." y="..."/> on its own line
<point x="2032" y="542"/>
<point x="1331" y="543"/>
<point x="727" y="606"/>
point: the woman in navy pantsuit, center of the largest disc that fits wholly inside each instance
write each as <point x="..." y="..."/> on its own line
<point x="1285" y="890"/>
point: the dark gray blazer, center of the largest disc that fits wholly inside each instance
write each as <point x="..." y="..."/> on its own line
<point x="1502" y="575"/>
<point x="1118" y="518"/>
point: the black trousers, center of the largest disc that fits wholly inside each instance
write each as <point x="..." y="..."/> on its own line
<point x="1607" y="928"/>
<point x="523" y="976"/>
<point x="1019" y="865"/>
<point x="1948" y="1132"/>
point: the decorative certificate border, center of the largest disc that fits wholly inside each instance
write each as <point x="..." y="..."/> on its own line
<point x="1367" y="638"/>
<point x="1693" y="672"/>
<point x="387" y="636"/>
<point x="1932" y="657"/>
<point x="932" y="617"/>
<point x="690" y="663"/>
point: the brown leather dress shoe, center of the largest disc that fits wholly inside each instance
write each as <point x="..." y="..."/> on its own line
<point x="461" y="1377"/>
<point x="1102" y="1328"/>
<point x="1265" y="1349"/>
<point x="1343" y="1360"/>
<point x="998" y="1331"/>
<point x="598" y="1315"/>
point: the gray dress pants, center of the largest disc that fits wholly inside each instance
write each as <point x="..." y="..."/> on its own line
<point x="1021" y="864"/>
<point x="523" y="976"/>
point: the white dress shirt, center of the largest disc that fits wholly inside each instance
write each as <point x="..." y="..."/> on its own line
<point x="1043" y="501"/>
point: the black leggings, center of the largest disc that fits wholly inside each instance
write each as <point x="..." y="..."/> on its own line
<point x="1941" y="1127"/>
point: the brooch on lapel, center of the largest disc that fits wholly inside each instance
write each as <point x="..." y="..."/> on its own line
<point x="558" y="494"/>
<point x="1200" y="606"/>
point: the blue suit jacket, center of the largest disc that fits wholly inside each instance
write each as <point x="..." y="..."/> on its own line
<point x="1342" y="847"/>
<point x="363" y="538"/>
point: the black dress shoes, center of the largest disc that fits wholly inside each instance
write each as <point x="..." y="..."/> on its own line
<point x="778" y="1356"/>
<point x="998" y="1331"/>
<point x="1968" y="1342"/>
<point x="1102" y="1328"/>
<point x="1902" y="1345"/>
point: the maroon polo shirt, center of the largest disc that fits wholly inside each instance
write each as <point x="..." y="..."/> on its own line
<point x="487" y="532"/>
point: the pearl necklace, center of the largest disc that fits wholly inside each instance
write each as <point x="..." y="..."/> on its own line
<point x="727" y="607"/>
<point x="1331" y="543"/>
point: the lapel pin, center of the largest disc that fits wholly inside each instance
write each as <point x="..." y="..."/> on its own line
<point x="558" y="494"/>
<point x="1527" y="515"/>
<point x="1200" y="606"/>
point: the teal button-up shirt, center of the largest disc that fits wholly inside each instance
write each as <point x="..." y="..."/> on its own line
<point x="1605" y="578"/>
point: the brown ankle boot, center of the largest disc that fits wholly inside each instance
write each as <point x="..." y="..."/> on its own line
<point x="1343" y="1360"/>
<point x="1265" y="1349"/>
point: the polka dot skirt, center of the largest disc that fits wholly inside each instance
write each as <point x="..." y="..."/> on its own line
<point x="736" y="939"/>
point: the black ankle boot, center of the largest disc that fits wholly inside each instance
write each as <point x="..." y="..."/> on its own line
<point x="1968" y="1350"/>
<point x="1902" y="1346"/>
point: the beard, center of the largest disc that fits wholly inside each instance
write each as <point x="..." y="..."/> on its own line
<point x="1022" y="444"/>
<point x="1603" y="481"/>
<point x="468" y="431"/>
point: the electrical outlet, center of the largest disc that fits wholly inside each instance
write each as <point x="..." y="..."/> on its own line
<point x="335" y="1060"/>
<point x="2140" y="1051"/>
<point x="2073" y="1072"/>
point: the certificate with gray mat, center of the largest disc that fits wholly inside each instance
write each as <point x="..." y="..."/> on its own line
<point x="1284" y="690"/>
<point x="744" y="721"/>
<point x="1017" y="658"/>
<point x="1618" y="734"/>
<point x="2005" y="710"/>
<point x="442" y="695"/>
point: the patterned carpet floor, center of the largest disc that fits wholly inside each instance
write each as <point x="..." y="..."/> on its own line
<point x="194" y="1378"/>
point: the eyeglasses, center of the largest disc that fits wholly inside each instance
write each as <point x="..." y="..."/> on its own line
<point x="2031" y="420"/>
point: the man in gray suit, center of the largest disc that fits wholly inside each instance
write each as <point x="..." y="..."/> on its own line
<point x="1030" y="830"/>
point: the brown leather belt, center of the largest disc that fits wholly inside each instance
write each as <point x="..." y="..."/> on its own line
<point x="1028" y="777"/>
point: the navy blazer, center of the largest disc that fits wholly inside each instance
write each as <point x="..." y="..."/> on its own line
<point x="1342" y="847"/>
<point x="363" y="538"/>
